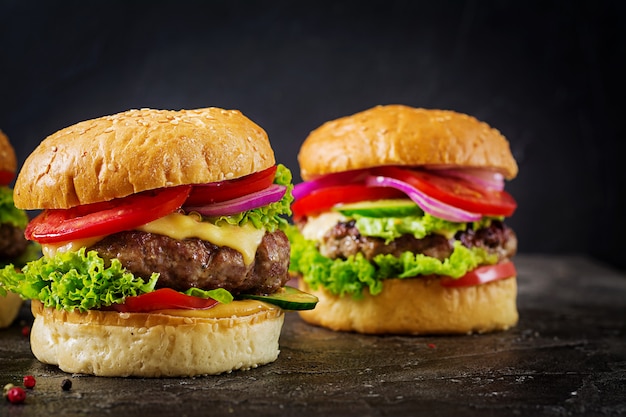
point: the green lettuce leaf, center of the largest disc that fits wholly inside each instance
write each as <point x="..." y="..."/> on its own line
<point x="74" y="280"/>
<point x="219" y="294"/>
<point x="8" y="212"/>
<point x="79" y="280"/>
<point x="390" y="228"/>
<point x="270" y="217"/>
<point x="353" y="275"/>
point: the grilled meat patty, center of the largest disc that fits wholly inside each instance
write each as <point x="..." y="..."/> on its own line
<point x="12" y="241"/>
<point x="344" y="240"/>
<point x="197" y="263"/>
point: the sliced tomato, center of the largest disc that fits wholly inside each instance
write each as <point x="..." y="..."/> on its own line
<point x="482" y="275"/>
<point x="215" y="192"/>
<point x="455" y="192"/>
<point x="6" y="177"/>
<point x="324" y="199"/>
<point x="161" y="299"/>
<point x="90" y="220"/>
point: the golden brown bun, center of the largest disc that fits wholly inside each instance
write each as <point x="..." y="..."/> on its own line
<point x="418" y="306"/>
<point x="401" y="135"/>
<point x="8" y="162"/>
<point x="115" y="156"/>
<point x="106" y="343"/>
<point x="9" y="307"/>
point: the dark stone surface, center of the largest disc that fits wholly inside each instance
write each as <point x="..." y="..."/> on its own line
<point x="567" y="356"/>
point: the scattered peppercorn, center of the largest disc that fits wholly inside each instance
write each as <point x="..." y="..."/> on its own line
<point x="432" y="345"/>
<point x="16" y="395"/>
<point x="29" y="381"/>
<point x="25" y="331"/>
<point x="66" y="385"/>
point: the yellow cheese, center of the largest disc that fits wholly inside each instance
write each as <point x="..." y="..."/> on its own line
<point x="317" y="226"/>
<point x="245" y="239"/>
<point x="238" y="308"/>
<point x="49" y="250"/>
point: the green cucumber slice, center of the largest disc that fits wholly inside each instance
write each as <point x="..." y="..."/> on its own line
<point x="288" y="298"/>
<point x="381" y="208"/>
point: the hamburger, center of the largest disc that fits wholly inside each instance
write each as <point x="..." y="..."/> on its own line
<point x="14" y="248"/>
<point x="162" y="241"/>
<point x="400" y="224"/>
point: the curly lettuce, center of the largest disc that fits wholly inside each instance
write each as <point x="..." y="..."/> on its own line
<point x="355" y="274"/>
<point x="82" y="281"/>
<point x="270" y="217"/>
<point x="390" y="228"/>
<point x="74" y="280"/>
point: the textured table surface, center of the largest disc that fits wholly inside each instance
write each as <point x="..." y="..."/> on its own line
<point x="567" y="356"/>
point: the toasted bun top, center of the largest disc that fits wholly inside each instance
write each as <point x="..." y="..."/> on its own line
<point x="137" y="150"/>
<point x="401" y="135"/>
<point x="8" y="161"/>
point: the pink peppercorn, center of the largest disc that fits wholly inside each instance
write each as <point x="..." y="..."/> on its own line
<point x="16" y="395"/>
<point x="29" y="381"/>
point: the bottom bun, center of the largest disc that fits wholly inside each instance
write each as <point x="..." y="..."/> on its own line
<point x="418" y="306"/>
<point x="163" y="344"/>
<point x="9" y="307"/>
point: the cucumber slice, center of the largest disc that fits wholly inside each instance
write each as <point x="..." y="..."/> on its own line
<point x="288" y="298"/>
<point x="381" y="208"/>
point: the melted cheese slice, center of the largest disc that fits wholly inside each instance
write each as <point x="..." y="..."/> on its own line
<point x="317" y="226"/>
<point x="49" y="250"/>
<point x="244" y="239"/>
<point x="238" y="308"/>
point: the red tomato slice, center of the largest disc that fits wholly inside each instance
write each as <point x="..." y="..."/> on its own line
<point x="482" y="275"/>
<point x="215" y="192"/>
<point x="105" y="218"/>
<point x="455" y="192"/>
<point x="161" y="299"/>
<point x="6" y="177"/>
<point x="324" y="199"/>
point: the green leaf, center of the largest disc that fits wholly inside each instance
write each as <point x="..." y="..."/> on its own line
<point x="74" y="280"/>
<point x="219" y="294"/>
<point x="353" y="275"/>
<point x="390" y="228"/>
<point x="270" y="217"/>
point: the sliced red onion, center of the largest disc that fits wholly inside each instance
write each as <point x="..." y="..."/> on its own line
<point x="341" y="178"/>
<point x="482" y="178"/>
<point x="269" y="195"/>
<point x="430" y="205"/>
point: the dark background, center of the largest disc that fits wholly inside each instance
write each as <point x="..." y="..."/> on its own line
<point x="548" y="74"/>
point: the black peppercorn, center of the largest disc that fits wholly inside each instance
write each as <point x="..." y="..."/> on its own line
<point x="66" y="384"/>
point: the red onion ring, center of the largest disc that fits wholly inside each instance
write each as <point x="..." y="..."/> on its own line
<point x="269" y="195"/>
<point x="430" y="205"/>
<point x="482" y="178"/>
<point x="340" y="178"/>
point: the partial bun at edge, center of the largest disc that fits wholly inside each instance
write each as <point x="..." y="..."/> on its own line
<point x="406" y="136"/>
<point x="9" y="308"/>
<point x="8" y="160"/>
<point x="105" y="343"/>
<point x="138" y="150"/>
<point x="418" y="306"/>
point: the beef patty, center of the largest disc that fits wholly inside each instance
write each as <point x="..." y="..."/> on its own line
<point x="345" y="240"/>
<point x="12" y="242"/>
<point x="183" y="264"/>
